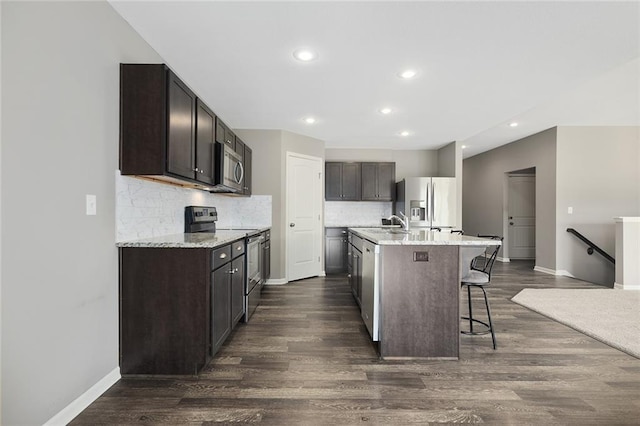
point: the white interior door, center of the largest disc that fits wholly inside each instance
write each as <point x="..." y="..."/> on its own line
<point x="522" y="217"/>
<point x="304" y="216"/>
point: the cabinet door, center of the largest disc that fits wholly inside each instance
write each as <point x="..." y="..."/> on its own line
<point x="378" y="181"/>
<point x="350" y="181"/>
<point x="205" y="139"/>
<point x="335" y="261"/>
<point x="181" y="105"/>
<point x="370" y="181"/>
<point x="386" y="181"/>
<point x="357" y="271"/>
<point x="333" y="181"/>
<point x="247" y="170"/>
<point x="224" y="135"/>
<point x="267" y="260"/>
<point x="220" y="305"/>
<point x="237" y="289"/>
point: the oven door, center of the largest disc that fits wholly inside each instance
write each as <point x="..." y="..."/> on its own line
<point x="254" y="262"/>
<point x="254" y="277"/>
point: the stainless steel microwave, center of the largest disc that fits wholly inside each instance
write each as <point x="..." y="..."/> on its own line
<point x="229" y="175"/>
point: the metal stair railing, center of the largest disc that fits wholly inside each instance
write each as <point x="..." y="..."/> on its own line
<point x="592" y="247"/>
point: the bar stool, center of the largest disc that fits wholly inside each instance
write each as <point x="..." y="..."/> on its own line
<point x="480" y="277"/>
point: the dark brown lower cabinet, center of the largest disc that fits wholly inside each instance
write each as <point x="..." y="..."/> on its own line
<point x="164" y="310"/>
<point x="177" y="306"/>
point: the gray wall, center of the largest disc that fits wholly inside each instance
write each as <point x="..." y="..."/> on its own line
<point x="599" y="176"/>
<point x="409" y="163"/>
<point x="60" y="96"/>
<point x="269" y="178"/>
<point x="484" y="180"/>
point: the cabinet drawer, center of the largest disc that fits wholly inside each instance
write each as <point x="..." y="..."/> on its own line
<point x="237" y="248"/>
<point x="335" y="232"/>
<point x="356" y="242"/>
<point x="221" y="256"/>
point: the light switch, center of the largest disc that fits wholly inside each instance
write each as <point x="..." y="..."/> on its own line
<point x="91" y="205"/>
<point x="569" y="210"/>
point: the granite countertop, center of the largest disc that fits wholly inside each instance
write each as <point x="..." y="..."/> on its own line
<point x="420" y="237"/>
<point x="198" y="240"/>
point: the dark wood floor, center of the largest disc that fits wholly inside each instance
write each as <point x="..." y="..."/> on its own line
<point x="306" y="359"/>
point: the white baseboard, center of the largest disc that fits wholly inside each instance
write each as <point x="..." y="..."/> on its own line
<point x="503" y="259"/>
<point x="619" y="286"/>
<point x="276" y="281"/>
<point x="559" y="273"/>
<point x="322" y="274"/>
<point x="83" y="401"/>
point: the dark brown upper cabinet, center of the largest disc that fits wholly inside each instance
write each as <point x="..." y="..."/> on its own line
<point x="205" y="140"/>
<point x="378" y="181"/>
<point x="342" y="181"/>
<point x="247" y="158"/>
<point x="166" y="131"/>
<point x="224" y="135"/>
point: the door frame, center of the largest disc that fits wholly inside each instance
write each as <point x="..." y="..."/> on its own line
<point x="285" y="223"/>
<point x="505" y="209"/>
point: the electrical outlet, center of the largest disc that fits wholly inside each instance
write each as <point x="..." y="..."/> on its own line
<point x="91" y="205"/>
<point x="420" y="256"/>
<point x="569" y="210"/>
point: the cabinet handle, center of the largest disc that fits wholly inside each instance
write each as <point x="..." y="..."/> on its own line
<point x="223" y="255"/>
<point x="196" y="170"/>
<point x="239" y="248"/>
<point x="344" y="232"/>
<point x="233" y="271"/>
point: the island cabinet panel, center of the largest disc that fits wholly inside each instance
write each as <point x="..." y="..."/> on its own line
<point x="419" y="302"/>
<point x="165" y="313"/>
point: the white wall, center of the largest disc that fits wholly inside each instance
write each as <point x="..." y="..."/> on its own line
<point x="598" y="175"/>
<point x="483" y="198"/>
<point x="60" y="102"/>
<point x="269" y="177"/>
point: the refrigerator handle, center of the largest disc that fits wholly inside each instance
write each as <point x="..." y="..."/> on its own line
<point x="433" y="202"/>
<point x="428" y="206"/>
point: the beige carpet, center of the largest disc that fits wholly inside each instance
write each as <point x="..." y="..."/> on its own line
<point x="610" y="316"/>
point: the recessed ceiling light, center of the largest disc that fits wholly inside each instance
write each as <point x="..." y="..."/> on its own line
<point x="405" y="133"/>
<point x="408" y="74"/>
<point x="513" y="124"/>
<point x="309" y="120"/>
<point x="464" y="146"/>
<point x="385" y="110"/>
<point x="305" y="55"/>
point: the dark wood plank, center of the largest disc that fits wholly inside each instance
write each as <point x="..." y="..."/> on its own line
<point x="305" y="358"/>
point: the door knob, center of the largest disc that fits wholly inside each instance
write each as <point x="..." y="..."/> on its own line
<point x="510" y="223"/>
<point x="291" y="225"/>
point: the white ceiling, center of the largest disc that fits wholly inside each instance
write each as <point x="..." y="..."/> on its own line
<point x="481" y="66"/>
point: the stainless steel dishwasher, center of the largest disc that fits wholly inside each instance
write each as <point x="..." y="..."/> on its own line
<point x="370" y="298"/>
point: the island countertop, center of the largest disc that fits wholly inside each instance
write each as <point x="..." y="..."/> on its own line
<point x="419" y="236"/>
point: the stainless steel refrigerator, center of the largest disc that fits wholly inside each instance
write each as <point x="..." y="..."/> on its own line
<point x="428" y="201"/>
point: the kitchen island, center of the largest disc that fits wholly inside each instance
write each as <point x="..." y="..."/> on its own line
<point x="411" y="289"/>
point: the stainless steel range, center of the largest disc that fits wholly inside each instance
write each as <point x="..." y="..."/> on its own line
<point x="203" y="219"/>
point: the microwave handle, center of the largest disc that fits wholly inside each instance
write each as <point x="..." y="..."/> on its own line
<point x="239" y="180"/>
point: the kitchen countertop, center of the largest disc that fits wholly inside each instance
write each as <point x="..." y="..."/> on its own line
<point x="197" y="240"/>
<point x="418" y="236"/>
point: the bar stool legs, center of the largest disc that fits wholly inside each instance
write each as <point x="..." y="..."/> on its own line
<point x="488" y="327"/>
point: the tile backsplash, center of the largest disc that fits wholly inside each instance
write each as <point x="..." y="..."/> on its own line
<point x="355" y="213"/>
<point x="146" y="208"/>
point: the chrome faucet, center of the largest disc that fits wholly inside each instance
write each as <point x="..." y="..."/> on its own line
<point x="404" y="220"/>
